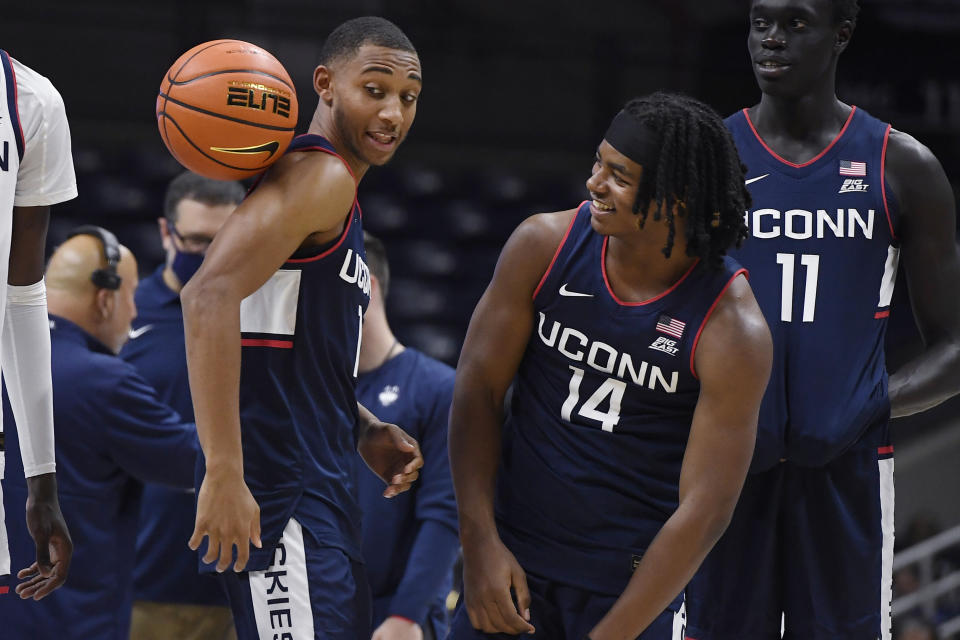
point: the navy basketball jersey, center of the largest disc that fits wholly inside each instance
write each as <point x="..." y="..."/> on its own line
<point x="823" y="254"/>
<point x="301" y="339"/>
<point x="602" y="407"/>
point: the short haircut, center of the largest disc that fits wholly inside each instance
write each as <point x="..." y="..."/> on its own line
<point x="846" y="10"/>
<point x="190" y="186"/>
<point x="377" y="261"/>
<point x="347" y="39"/>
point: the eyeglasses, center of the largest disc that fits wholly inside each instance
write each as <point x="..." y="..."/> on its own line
<point x="194" y="243"/>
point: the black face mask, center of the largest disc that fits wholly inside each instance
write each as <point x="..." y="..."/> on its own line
<point x="185" y="265"/>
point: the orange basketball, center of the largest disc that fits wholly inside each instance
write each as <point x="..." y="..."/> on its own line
<point x="227" y="109"/>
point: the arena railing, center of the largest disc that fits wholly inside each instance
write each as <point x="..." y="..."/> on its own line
<point x="925" y="598"/>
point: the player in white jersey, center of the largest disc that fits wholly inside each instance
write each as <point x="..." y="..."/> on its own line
<point x="36" y="171"/>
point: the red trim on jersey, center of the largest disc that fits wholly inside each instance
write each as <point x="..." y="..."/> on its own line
<point x="4" y="590"/>
<point x="883" y="181"/>
<point x="881" y="314"/>
<point x="402" y="618"/>
<point x="331" y="152"/>
<point x="808" y="162"/>
<point x="356" y="204"/>
<point x="257" y="342"/>
<point x="343" y="236"/>
<point x="885" y="450"/>
<point x="556" y="254"/>
<point x="603" y="268"/>
<point x="696" y="340"/>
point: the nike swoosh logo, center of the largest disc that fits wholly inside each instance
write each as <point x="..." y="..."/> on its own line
<point x="573" y="294"/>
<point x="136" y="333"/>
<point x="270" y="147"/>
<point x="752" y="180"/>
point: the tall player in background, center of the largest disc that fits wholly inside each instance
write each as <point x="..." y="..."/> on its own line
<point x="640" y="358"/>
<point x="36" y="171"/>
<point x="285" y="283"/>
<point x="410" y="543"/>
<point x="838" y="198"/>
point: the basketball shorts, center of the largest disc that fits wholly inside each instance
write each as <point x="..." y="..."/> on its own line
<point x="308" y="592"/>
<point x="808" y="549"/>
<point x="561" y="612"/>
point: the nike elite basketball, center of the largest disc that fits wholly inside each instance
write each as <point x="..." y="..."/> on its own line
<point x="227" y="109"/>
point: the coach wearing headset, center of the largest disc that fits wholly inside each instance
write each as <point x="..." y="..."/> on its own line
<point x="112" y="434"/>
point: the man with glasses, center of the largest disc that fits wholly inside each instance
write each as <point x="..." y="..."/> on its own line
<point x="172" y="600"/>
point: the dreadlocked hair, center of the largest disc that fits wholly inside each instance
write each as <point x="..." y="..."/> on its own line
<point x="697" y="175"/>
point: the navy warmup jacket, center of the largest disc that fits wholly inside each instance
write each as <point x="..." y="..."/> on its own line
<point x="112" y="434"/>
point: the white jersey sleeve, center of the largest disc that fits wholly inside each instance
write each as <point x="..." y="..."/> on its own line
<point x="46" y="174"/>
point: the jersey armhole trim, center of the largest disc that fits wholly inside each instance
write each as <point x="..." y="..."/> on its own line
<point x="883" y="182"/>
<point x="334" y="154"/>
<point x="346" y="228"/>
<point x="556" y="254"/>
<point x="13" y="104"/>
<point x="706" y="318"/>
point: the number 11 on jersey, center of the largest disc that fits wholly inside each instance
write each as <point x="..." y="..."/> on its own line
<point x="812" y="263"/>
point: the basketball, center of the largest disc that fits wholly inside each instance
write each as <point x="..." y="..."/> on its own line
<point x="227" y="109"/>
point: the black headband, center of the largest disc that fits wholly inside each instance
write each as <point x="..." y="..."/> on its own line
<point x="634" y="139"/>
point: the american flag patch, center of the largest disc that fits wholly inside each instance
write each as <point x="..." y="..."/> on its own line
<point x="848" y="168"/>
<point x="671" y="326"/>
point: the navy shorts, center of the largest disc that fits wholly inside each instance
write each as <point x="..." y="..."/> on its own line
<point x="561" y="612"/>
<point x="809" y="550"/>
<point x="309" y="592"/>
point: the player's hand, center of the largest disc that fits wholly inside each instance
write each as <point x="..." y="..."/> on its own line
<point x="229" y="517"/>
<point x="51" y="537"/>
<point x="490" y="572"/>
<point x="396" y="628"/>
<point x="391" y="454"/>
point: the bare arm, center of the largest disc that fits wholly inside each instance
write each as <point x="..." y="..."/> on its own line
<point x="303" y="194"/>
<point x="29" y="242"/>
<point x="932" y="265"/>
<point x="733" y="361"/>
<point x="389" y="452"/>
<point x="491" y="354"/>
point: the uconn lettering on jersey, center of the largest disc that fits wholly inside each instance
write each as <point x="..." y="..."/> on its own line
<point x="800" y="224"/>
<point x="5" y="156"/>
<point x="354" y="271"/>
<point x="578" y="347"/>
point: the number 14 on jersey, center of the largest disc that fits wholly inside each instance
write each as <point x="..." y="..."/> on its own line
<point x="611" y="388"/>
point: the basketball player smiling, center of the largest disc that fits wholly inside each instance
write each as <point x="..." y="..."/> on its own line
<point x="290" y="395"/>
<point x="638" y="357"/>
